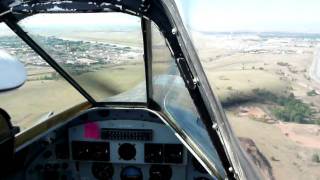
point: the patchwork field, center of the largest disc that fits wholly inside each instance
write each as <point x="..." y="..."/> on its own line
<point x="237" y="66"/>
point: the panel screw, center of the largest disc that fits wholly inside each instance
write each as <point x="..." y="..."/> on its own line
<point x="174" y="31"/>
<point x="215" y="126"/>
<point x="196" y="81"/>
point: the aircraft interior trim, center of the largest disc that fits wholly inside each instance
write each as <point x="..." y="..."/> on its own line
<point x="106" y="143"/>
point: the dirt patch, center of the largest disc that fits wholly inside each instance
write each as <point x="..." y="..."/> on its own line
<point x="306" y="135"/>
<point x="255" y="112"/>
<point x="257" y="157"/>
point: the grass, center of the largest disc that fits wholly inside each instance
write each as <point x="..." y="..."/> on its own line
<point x="312" y="93"/>
<point x="110" y="81"/>
<point x="289" y="108"/>
<point x="280" y="151"/>
<point x="316" y="158"/>
<point x="233" y="87"/>
<point x="132" y="38"/>
<point x="36" y="97"/>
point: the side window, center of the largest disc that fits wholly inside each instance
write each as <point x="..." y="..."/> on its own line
<point x="42" y="94"/>
<point x="263" y="59"/>
<point x="170" y="93"/>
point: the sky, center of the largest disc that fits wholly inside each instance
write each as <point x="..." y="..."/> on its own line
<point x="252" y="15"/>
<point x="221" y="16"/>
<point x="84" y="19"/>
<point x="74" y="22"/>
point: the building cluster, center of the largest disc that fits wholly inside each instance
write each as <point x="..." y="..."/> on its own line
<point x="71" y="52"/>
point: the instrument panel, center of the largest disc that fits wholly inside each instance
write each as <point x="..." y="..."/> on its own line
<point x="110" y="145"/>
<point x="140" y="147"/>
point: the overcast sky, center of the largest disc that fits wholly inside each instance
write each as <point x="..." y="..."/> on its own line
<point x="220" y="16"/>
<point x="253" y="15"/>
<point x="82" y="19"/>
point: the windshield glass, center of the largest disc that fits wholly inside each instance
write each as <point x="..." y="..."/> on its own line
<point x="103" y="52"/>
<point x="44" y="92"/>
<point x="262" y="60"/>
<point x="170" y="93"/>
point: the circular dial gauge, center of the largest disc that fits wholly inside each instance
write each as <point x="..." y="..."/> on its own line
<point x="160" y="172"/>
<point x="102" y="171"/>
<point x="131" y="173"/>
<point x="127" y="151"/>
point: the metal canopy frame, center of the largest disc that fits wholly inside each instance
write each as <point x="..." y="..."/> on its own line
<point x="164" y="14"/>
<point x="12" y="23"/>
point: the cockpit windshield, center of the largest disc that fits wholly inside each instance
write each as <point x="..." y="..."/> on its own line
<point x="103" y="52"/>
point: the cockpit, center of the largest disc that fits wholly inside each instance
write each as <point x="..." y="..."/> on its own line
<point x="143" y="108"/>
<point x="105" y="143"/>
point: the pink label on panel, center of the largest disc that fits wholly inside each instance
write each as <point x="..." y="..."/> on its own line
<point x="91" y="130"/>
